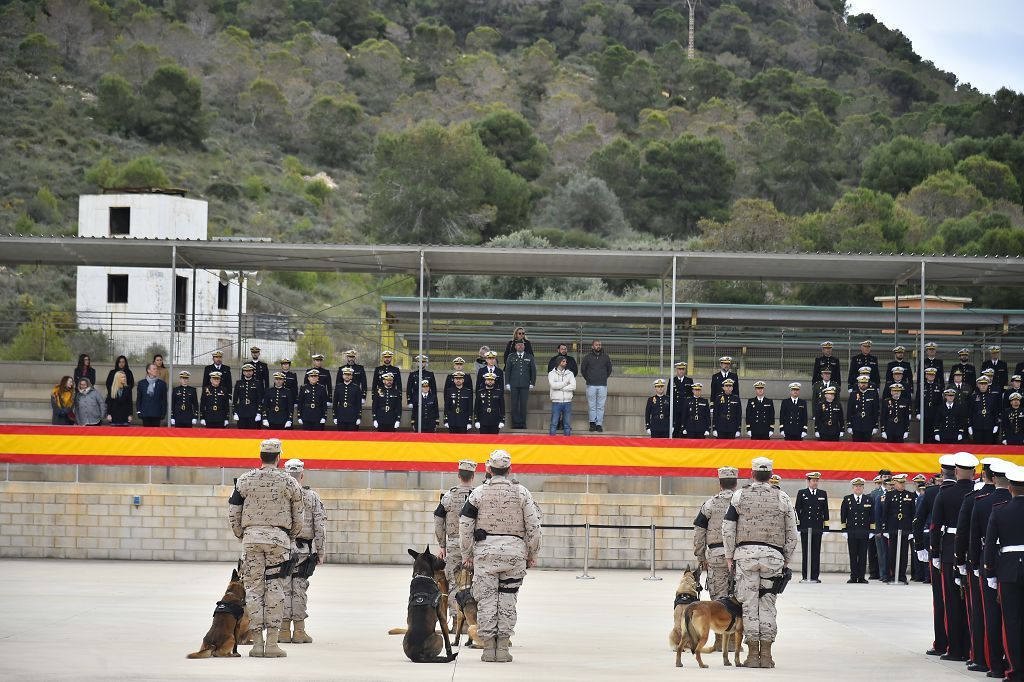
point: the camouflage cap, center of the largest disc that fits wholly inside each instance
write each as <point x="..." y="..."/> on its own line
<point x="294" y="466"/>
<point x="499" y="459"/>
<point x="761" y="464"/>
<point x="270" y="446"/>
<point x="728" y="472"/>
<point x="467" y="465"/>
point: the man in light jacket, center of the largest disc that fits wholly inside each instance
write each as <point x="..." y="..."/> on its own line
<point x="561" y="386"/>
<point x="596" y="369"/>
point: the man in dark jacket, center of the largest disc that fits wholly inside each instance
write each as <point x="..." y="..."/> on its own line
<point x="570" y="361"/>
<point x="248" y="399"/>
<point x="760" y="414"/>
<point x="793" y="414"/>
<point x="858" y="519"/>
<point x="260" y="369"/>
<point x="151" y="399"/>
<point x="218" y="366"/>
<point x="682" y="391"/>
<point x="812" y="518"/>
<point x="520" y="377"/>
<point x="184" y="403"/>
<point x="596" y="369"/>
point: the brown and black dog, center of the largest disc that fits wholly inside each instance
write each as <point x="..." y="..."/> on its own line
<point x="230" y="623"/>
<point x="428" y="608"/>
<point x="695" y="620"/>
<point x="465" y="608"/>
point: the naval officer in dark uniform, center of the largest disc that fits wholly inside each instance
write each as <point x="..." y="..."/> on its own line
<point x="278" y="404"/>
<point x="184" y="403"/>
<point x="858" y="520"/>
<point x="812" y="516"/>
<point x="1004" y="568"/>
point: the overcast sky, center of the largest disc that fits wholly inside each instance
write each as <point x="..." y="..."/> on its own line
<point x="981" y="42"/>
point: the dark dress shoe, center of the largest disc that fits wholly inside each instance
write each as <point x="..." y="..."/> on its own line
<point x="593" y="426"/>
<point x="977" y="668"/>
<point x="853" y="581"/>
<point x="951" y="657"/>
<point x="815" y="580"/>
<point x="863" y="581"/>
<point x="598" y="428"/>
<point x="996" y="674"/>
<point x="934" y="652"/>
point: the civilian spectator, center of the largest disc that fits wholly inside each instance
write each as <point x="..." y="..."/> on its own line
<point x="520" y="377"/>
<point x="570" y="361"/>
<point x="561" y="386"/>
<point x="151" y="401"/>
<point x="596" y="369"/>
<point x="89" y="405"/>
<point x="119" y="402"/>
<point x="161" y="370"/>
<point x="518" y="335"/>
<point x="120" y="365"/>
<point x="85" y="369"/>
<point x="62" y="402"/>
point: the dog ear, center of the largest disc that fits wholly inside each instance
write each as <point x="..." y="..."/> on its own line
<point x="414" y="554"/>
<point x="234" y="575"/>
<point x="438" y="564"/>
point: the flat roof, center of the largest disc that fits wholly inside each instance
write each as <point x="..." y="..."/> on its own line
<point x="521" y="262"/>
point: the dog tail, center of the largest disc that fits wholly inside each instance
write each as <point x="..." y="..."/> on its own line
<point x="690" y="634"/>
<point x="439" y="659"/>
<point x="205" y="652"/>
<point x="398" y="631"/>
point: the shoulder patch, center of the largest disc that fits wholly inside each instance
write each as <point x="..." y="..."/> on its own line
<point x="236" y="498"/>
<point x="732" y="514"/>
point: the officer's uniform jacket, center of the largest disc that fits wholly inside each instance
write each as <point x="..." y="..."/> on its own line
<point x="503" y="509"/>
<point x="291" y="381"/>
<point x="431" y="411"/>
<point x="908" y="375"/>
<point x="278" y="405"/>
<point x="314" y="521"/>
<point x="923" y="515"/>
<point x="1005" y="529"/>
<point x="707" y="527"/>
<point x="793" y="417"/>
<point x="940" y="376"/>
<point x="716" y="383"/>
<point x="520" y="372"/>
<point x="895" y="417"/>
<point x="698" y="417"/>
<point x="1010" y="391"/>
<point x="247" y="398"/>
<point x="898" y="512"/>
<point x="266" y="507"/>
<point x="682" y="391"/>
<point x="184" y="405"/>
<point x="215" y="405"/>
<point x="760" y="520"/>
<point x="945" y="513"/>
<point x="446" y="516"/>
<point x="983" y="414"/>
<point x="862" y="411"/>
<point x="860" y="360"/>
<point x="487" y="369"/>
<point x="490" y="405"/>
<point x="387" y="404"/>
<point x="1013" y="426"/>
<point x="261" y="373"/>
<point x="818" y="390"/>
<point x="820" y="363"/>
<point x="1002" y="376"/>
<point x="963" y="392"/>
<point x="225" y="375"/>
<point x="728" y="415"/>
<point x="933" y="399"/>
<point x="467" y="382"/>
<point x="358" y="377"/>
<point x="906" y="396"/>
<point x="412" y="384"/>
<point x="983" y="507"/>
<point x="811" y="510"/>
<point x="324" y="379"/>
<point x="962" y="538"/>
<point x="828" y="419"/>
<point x="656" y="414"/>
<point x="760" y="417"/>
<point x="950" y="422"/>
<point x="381" y="370"/>
<point x="857" y="518"/>
<point x="970" y="374"/>
<point x="348" y="402"/>
<point x="313" y="403"/>
<point x="458" y="408"/>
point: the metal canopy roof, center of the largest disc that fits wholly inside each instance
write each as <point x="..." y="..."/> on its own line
<point x="482" y="260"/>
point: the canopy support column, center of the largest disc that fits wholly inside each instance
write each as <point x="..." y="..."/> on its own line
<point x="920" y="354"/>
<point x="169" y="360"/>
<point x="672" y="352"/>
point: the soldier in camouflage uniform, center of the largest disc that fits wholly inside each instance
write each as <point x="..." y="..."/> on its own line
<point x="759" y="533"/>
<point x="707" y="533"/>
<point x="499" y="533"/>
<point x="265" y="511"/>
<point x="446" y="524"/>
<point x="308" y="547"/>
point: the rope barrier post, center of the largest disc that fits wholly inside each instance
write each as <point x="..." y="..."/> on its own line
<point x="653" y="576"/>
<point x="586" y="554"/>
<point x="899" y="542"/>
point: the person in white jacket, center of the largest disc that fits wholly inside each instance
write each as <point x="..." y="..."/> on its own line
<point x="561" y="386"/>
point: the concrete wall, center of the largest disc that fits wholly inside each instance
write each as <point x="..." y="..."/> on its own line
<point x="376" y="526"/>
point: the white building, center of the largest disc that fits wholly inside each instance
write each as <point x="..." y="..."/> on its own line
<point x="133" y="305"/>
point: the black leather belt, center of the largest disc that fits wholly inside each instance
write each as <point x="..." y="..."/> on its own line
<point x="715" y="545"/>
<point x="750" y="543"/>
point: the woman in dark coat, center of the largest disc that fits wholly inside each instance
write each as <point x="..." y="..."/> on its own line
<point x="85" y="369"/>
<point x="119" y="401"/>
<point x="121" y="365"/>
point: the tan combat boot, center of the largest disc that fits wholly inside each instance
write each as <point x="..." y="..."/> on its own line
<point x="272" y="650"/>
<point x="285" y="633"/>
<point x="753" y="655"/>
<point x="490" y="646"/>
<point x="766" y="655"/>
<point x="300" y="636"/>
<point x="257" y="644"/>
<point x="503" y="656"/>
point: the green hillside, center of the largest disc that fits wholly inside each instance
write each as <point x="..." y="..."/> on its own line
<point x="566" y="122"/>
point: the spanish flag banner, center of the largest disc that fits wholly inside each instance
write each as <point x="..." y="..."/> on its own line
<point x="136" y="446"/>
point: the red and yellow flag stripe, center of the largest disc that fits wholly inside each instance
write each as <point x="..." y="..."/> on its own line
<point x="136" y="446"/>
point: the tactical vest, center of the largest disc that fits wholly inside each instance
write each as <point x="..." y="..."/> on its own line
<point x="500" y="508"/>
<point x="267" y="498"/>
<point x="714" y="509"/>
<point x="453" y="502"/>
<point x="762" y="514"/>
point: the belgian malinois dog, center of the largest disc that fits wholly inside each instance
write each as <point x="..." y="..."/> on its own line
<point x="428" y="608"/>
<point x="465" y="607"/>
<point x="230" y="623"/>
<point x="695" y="620"/>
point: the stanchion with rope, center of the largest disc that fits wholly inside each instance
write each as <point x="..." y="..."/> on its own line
<point x="586" y="554"/>
<point x="653" y="576"/>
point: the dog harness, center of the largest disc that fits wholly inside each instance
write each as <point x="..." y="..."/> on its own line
<point x="424" y="592"/>
<point x="685" y="599"/>
<point x="233" y="608"/>
<point x="735" y="610"/>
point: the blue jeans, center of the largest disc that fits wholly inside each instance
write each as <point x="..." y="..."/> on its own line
<point x="596" y="396"/>
<point x="563" y="411"/>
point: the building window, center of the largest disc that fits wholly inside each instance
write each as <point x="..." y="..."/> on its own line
<point x="117" y="288"/>
<point x="222" y="296"/>
<point x="120" y="220"/>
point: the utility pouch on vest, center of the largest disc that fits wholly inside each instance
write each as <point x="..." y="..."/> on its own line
<point x="282" y="570"/>
<point x="779" y="583"/>
<point x="479" y="534"/>
<point x="307" y="567"/>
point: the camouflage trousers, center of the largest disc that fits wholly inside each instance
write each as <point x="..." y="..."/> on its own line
<point x="718" y="573"/>
<point x="452" y="563"/>
<point x="264" y="598"/>
<point x="499" y="566"/>
<point x="295" y="588"/>
<point x="755" y="565"/>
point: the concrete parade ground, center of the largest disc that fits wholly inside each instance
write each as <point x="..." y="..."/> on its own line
<point x="112" y="620"/>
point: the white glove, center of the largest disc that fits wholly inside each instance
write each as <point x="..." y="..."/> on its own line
<point x="202" y="422"/>
<point x="374" y="423"/>
<point x="235" y="416"/>
<point x="323" y="420"/>
<point x="531" y="386"/>
<point x="957" y="581"/>
<point x="715" y="434"/>
<point x="817" y="435"/>
<point x="910" y="536"/>
<point x="410" y="406"/>
<point x="288" y="424"/>
<point x="906" y="435"/>
<point x="364" y="401"/>
<point x="885" y="535"/>
<point x="477" y="424"/>
<point x="266" y="423"/>
<point x="844" y="536"/>
<point x="705" y="434"/>
<point x="398" y="423"/>
<point x="736" y="435"/>
<point x="874" y="431"/>
<point x="970" y="430"/>
<point x="918" y="416"/>
<point x="648" y="432"/>
<point x="849" y="431"/>
<point x="748" y="433"/>
<point x="871" y="536"/>
<point x="446" y="425"/>
<point x="300" y="421"/>
<point x="258" y="415"/>
<point x="172" y="421"/>
<point x="469" y="427"/>
<point x="330" y="404"/>
<point x="194" y="423"/>
<point x="501" y="425"/>
<point x="1004" y="442"/>
<point x="937" y="438"/>
<point x="993" y="583"/>
<point x="358" y="422"/>
<point x="885" y="436"/>
<point x="995" y="429"/>
<point x="508" y="387"/>
<point x="959" y="437"/>
<point x="962" y="569"/>
<point x="977" y="573"/>
<point x="922" y="555"/>
<point x="936" y="564"/>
